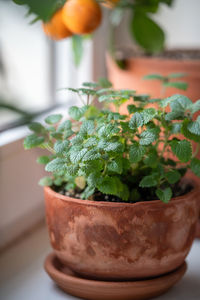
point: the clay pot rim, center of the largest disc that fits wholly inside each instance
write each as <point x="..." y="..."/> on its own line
<point x="166" y="60"/>
<point x="178" y="199"/>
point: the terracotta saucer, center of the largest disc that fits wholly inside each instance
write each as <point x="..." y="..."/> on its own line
<point x="107" y="290"/>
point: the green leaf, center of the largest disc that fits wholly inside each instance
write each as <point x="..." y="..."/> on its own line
<point x="148" y="181"/>
<point x="132" y="108"/>
<point x="105" y="131"/>
<point x="115" y="166"/>
<point x="136" y="121"/>
<point x="173" y="176"/>
<point x="177" y="75"/>
<point x="55" y="165"/>
<point x="136" y="152"/>
<point x="195" y="107"/>
<point x="87" y="128"/>
<point x="176" y="128"/>
<point x="182" y="101"/>
<point x="187" y="133"/>
<point x="154" y="77"/>
<point x="147" y="33"/>
<point x="89" y="191"/>
<point x="174" y="115"/>
<point x="72" y="170"/>
<point x="164" y="195"/>
<point x="151" y="160"/>
<point x="91" y="84"/>
<point x="108" y="185"/>
<point x="61" y="146"/>
<point x="180" y="104"/>
<point x="194" y="127"/>
<point x="104" y="83"/>
<point x="91" y="155"/>
<point x="36" y="127"/>
<point x="66" y="125"/>
<point x="46" y="181"/>
<point x="33" y="141"/>
<point x="77" y="47"/>
<point x="147" y="137"/>
<point x="195" y="166"/>
<point x="43" y="160"/>
<point x="114" y="147"/>
<point x="53" y="119"/>
<point x="44" y="9"/>
<point x="76" y="154"/>
<point x="148" y="114"/>
<point x="68" y="133"/>
<point x="176" y="84"/>
<point x="182" y="149"/>
<point x="76" y="113"/>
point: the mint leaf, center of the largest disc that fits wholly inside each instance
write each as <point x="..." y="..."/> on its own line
<point x="104" y="83"/>
<point x="177" y="75"/>
<point x="43" y="160"/>
<point x="61" y="146"/>
<point x="55" y="165"/>
<point x="136" y="152"/>
<point x="182" y="149"/>
<point x="195" y="107"/>
<point x="53" y="119"/>
<point x="195" y="166"/>
<point x="164" y="195"/>
<point x="177" y="84"/>
<point x="33" y="141"/>
<point x="46" y="181"/>
<point x="194" y="127"/>
<point x="136" y="121"/>
<point x="173" y="176"/>
<point x="151" y="160"/>
<point x="76" y="113"/>
<point x="154" y="77"/>
<point x="89" y="191"/>
<point x="148" y="114"/>
<point x="76" y="154"/>
<point x="64" y="126"/>
<point x="91" y="155"/>
<point x="115" y="166"/>
<point x="72" y="170"/>
<point x="147" y="137"/>
<point x="87" y="128"/>
<point x="108" y="185"/>
<point x="36" y="127"/>
<point x="187" y="133"/>
<point x="148" y="181"/>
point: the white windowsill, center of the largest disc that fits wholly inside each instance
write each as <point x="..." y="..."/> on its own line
<point x="22" y="276"/>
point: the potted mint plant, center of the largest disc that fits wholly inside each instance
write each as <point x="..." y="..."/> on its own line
<point x="119" y="201"/>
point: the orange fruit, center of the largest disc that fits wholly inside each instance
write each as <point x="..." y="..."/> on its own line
<point x="82" y="16"/>
<point x="55" y="28"/>
<point x="110" y="3"/>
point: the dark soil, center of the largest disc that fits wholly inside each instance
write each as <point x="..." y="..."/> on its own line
<point x="180" y="54"/>
<point x="178" y="189"/>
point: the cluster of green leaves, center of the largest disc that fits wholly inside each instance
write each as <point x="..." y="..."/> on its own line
<point x="125" y="155"/>
<point x="143" y="29"/>
<point x="171" y="80"/>
<point x="42" y="10"/>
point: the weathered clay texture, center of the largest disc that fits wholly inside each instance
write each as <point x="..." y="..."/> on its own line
<point x="120" y="241"/>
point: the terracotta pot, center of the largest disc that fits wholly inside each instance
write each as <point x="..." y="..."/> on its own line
<point x="137" y="68"/>
<point x="118" y="241"/>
